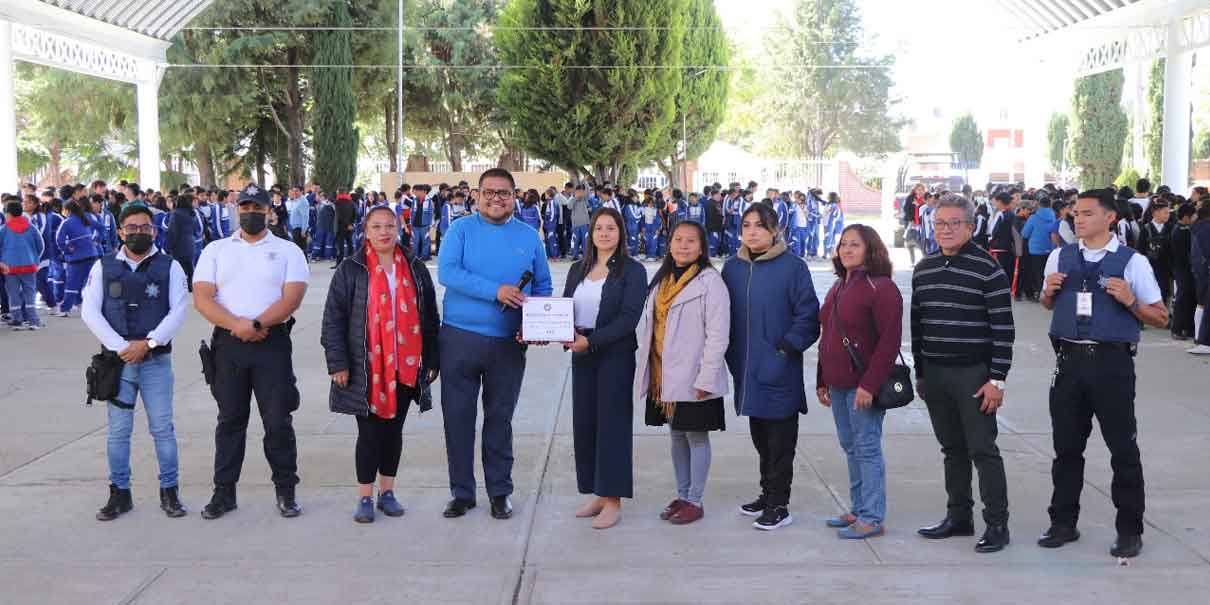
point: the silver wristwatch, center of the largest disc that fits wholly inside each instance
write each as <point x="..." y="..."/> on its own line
<point x="999" y="384"/>
<point x="152" y="344"/>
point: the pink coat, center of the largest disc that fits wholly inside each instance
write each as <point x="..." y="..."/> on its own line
<point x="696" y="335"/>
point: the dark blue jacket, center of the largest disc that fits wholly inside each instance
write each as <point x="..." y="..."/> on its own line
<point x="75" y="240"/>
<point x="774" y="318"/>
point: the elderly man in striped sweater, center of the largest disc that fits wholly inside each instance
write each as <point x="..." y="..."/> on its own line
<point x="962" y="341"/>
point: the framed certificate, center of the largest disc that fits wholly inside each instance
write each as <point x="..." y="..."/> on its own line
<point x="548" y="320"/>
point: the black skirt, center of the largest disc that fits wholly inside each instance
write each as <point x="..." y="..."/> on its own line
<point x="707" y="415"/>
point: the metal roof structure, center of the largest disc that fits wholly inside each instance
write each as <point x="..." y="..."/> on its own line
<point x="1046" y="16"/>
<point x="155" y="18"/>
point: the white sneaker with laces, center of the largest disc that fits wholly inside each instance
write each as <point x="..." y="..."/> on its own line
<point x="1199" y="350"/>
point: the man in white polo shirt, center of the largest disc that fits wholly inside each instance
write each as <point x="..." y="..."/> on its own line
<point x="249" y="285"/>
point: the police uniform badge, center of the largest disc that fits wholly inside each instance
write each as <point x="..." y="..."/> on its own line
<point x="272" y="256"/>
<point x="1103" y="282"/>
<point x="152" y="291"/>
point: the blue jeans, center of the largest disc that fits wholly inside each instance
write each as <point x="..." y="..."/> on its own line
<point x="860" y="435"/>
<point x="21" y="301"/>
<point x="151" y="378"/>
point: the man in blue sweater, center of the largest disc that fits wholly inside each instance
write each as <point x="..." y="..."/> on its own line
<point x="481" y="261"/>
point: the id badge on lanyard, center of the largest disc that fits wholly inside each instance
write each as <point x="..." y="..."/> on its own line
<point x="1084" y="297"/>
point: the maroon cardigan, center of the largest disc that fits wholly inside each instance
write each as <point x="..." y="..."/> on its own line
<point x="871" y="309"/>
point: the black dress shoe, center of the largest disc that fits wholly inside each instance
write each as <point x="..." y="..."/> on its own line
<point x="1058" y="535"/>
<point x="1127" y="546"/>
<point x="457" y="508"/>
<point x="170" y="502"/>
<point x="221" y="503"/>
<point x="286" y="504"/>
<point x="119" y="503"/>
<point x="948" y="528"/>
<point x="501" y="507"/>
<point x="993" y="540"/>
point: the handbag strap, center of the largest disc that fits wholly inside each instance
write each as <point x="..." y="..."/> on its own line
<point x="844" y="337"/>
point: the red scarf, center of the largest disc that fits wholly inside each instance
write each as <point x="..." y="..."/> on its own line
<point x="393" y="339"/>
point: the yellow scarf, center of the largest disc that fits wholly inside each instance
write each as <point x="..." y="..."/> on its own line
<point x="670" y="287"/>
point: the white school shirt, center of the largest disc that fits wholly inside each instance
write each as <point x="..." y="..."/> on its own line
<point x="1138" y="270"/>
<point x="94" y="296"/>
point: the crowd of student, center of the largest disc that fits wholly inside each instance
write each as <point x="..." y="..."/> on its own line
<point x="676" y="344"/>
<point x="1021" y="227"/>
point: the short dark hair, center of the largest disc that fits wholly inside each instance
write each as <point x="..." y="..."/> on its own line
<point x="1104" y="197"/>
<point x="134" y="209"/>
<point x="1185" y="211"/>
<point x="1142" y="186"/>
<point x="13" y="209"/>
<point x="498" y="173"/>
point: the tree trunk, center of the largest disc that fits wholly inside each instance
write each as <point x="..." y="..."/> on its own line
<point x="391" y="138"/>
<point x="204" y="160"/>
<point x="294" y="120"/>
<point x="453" y="152"/>
<point x="56" y="155"/>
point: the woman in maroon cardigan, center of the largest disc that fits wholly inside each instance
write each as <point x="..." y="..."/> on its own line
<point x="865" y="306"/>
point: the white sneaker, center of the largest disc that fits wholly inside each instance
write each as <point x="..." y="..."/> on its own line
<point x="1199" y="350"/>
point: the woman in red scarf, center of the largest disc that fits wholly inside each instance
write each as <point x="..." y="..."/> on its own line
<point x="380" y="340"/>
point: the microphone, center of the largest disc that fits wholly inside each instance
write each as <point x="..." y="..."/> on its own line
<point x="525" y="279"/>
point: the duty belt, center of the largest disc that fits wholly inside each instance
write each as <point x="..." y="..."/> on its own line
<point x="1090" y="349"/>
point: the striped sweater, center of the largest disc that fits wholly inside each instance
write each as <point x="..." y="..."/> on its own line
<point x="962" y="312"/>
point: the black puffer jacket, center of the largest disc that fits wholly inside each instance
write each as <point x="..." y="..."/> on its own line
<point x="344" y="333"/>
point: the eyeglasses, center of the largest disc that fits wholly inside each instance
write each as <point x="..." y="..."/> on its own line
<point x="499" y="194"/>
<point x="144" y="229"/>
<point x="949" y="225"/>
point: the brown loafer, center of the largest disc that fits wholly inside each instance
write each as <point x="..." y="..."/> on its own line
<point x="688" y="513"/>
<point x="671" y="509"/>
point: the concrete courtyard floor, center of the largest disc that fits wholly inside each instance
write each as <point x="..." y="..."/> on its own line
<point x="53" y="478"/>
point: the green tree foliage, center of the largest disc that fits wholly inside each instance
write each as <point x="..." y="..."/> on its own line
<point x="840" y="99"/>
<point x="592" y="120"/>
<point x="1056" y="141"/>
<point x="1154" y="137"/>
<point x="1098" y="128"/>
<point x="1128" y="178"/>
<point x="336" y="138"/>
<point x="966" y="140"/>
<point x="701" y="103"/>
<point x="1201" y="146"/>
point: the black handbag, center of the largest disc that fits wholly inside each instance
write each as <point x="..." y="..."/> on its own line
<point x="897" y="391"/>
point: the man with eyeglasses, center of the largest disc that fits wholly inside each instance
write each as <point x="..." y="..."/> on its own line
<point x="962" y="342"/>
<point x="482" y="267"/>
<point x="134" y="302"/>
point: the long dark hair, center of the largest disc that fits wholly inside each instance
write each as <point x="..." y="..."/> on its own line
<point x="877" y="261"/>
<point x="76" y="210"/>
<point x="703" y="260"/>
<point x="590" y="251"/>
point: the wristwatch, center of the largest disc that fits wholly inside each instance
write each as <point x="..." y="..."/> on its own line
<point x="256" y="325"/>
<point x="999" y="384"/>
<point x="152" y="344"/>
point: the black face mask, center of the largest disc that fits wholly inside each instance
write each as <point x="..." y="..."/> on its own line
<point x="252" y="223"/>
<point x="139" y="243"/>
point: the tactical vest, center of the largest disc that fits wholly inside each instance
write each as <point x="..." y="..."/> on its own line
<point x="1111" y="321"/>
<point x="135" y="302"/>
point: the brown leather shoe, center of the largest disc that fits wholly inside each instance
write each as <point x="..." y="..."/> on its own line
<point x="688" y="513"/>
<point x="671" y="509"/>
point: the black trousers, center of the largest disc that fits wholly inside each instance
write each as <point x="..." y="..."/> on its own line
<point x="1032" y="270"/>
<point x="1100" y="384"/>
<point x="1008" y="262"/>
<point x="265" y="369"/>
<point x="344" y="244"/>
<point x="1185" y="305"/>
<point x="602" y="408"/>
<point x="300" y="238"/>
<point x="564" y="233"/>
<point x="967" y="437"/>
<point x="775" y="442"/>
<point x="379" y="445"/>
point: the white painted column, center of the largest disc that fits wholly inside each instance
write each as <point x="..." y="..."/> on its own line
<point x="8" y="113"/>
<point x="149" y="129"/>
<point x="1178" y="77"/>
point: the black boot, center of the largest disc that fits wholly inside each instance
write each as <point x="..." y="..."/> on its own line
<point x="170" y="502"/>
<point x="221" y="503"/>
<point x="286" y="505"/>
<point x="119" y="503"/>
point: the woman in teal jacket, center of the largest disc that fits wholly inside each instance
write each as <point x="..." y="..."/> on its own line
<point x="774" y="318"/>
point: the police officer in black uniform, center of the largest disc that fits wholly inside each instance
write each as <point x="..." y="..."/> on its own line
<point x="1100" y="292"/>
<point x="249" y="285"/>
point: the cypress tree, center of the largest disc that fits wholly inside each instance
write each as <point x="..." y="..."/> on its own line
<point x="1098" y="128"/>
<point x="336" y="138"/>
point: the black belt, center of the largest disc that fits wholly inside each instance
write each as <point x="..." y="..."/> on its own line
<point x="278" y="330"/>
<point x="1092" y="348"/>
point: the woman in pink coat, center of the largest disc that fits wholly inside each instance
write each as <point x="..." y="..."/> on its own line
<point x="680" y="369"/>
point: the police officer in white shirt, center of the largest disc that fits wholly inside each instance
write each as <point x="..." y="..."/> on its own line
<point x="134" y="302"/>
<point x="249" y="285"/>
<point x="1100" y="291"/>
